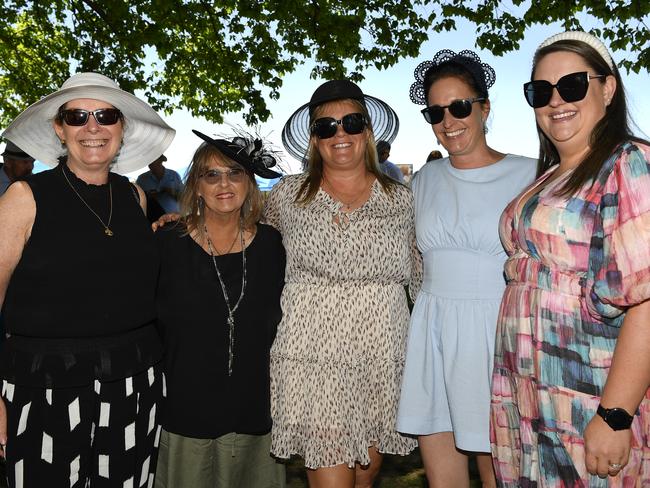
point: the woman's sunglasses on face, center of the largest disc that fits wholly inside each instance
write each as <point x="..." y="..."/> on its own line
<point x="326" y="127"/>
<point x="79" y="117"/>
<point x="572" y="88"/>
<point x="213" y="176"/>
<point x="460" y="109"/>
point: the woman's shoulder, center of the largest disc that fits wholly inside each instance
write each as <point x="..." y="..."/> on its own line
<point x="172" y="232"/>
<point x="268" y="232"/>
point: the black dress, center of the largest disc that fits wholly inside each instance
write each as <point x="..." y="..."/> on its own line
<point x="81" y="365"/>
<point x="203" y="401"/>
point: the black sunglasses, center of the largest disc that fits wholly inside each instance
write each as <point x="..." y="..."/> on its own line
<point x="458" y="108"/>
<point x="326" y="127"/>
<point x="572" y="88"/>
<point x="78" y="117"/>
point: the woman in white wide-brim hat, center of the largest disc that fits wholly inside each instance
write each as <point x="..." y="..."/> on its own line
<point x="78" y="267"/>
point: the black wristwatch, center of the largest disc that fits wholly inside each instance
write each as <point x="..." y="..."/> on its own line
<point x="616" y="418"/>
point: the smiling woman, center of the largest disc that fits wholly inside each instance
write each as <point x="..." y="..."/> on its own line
<point x="337" y="361"/>
<point x="570" y="398"/>
<point x="77" y="244"/>
<point x="445" y="397"/>
<point x="218" y="308"/>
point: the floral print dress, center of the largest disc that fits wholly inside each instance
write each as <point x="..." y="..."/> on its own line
<point x="575" y="265"/>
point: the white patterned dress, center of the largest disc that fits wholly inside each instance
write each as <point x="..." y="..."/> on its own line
<point x="337" y="360"/>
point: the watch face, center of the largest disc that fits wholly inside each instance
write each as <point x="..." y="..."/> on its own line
<point x="619" y="419"/>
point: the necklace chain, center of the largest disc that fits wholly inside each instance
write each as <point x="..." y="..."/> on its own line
<point x="231" y="310"/>
<point x="106" y="226"/>
<point x="230" y="248"/>
<point x="346" y="204"/>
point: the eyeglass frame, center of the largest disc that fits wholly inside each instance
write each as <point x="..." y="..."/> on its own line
<point x="62" y="115"/>
<point x="339" y="122"/>
<point x="211" y="173"/>
<point x="546" y="84"/>
<point x="427" y="110"/>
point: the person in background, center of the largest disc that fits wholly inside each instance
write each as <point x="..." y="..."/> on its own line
<point x="458" y="200"/>
<point x="388" y="168"/>
<point x="161" y="184"/>
<point x="433" y="155"/>
<point x="17" y="166"/>
<point x="218" y="300"/>
<point x="348" y="230"/>
<point x="570" y="398"/>
<point x="81" y="368"/>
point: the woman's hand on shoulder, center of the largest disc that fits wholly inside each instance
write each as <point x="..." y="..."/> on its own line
<point x="165" y="219"/>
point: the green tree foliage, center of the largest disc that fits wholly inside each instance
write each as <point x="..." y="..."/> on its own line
<point x="219" y="56"/>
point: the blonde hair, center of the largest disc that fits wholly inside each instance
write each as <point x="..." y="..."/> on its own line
<point x="191" y="204"/>
<point x="314" y="164"/>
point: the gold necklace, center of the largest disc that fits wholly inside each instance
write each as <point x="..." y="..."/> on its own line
<point x="346" y="205"/>
<point x="106" y="226"/>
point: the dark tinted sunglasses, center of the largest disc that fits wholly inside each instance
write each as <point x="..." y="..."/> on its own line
<point x="458" y="108"/>
<point x="572" y="88"/>
<point x="326" y="127"/>
<point x="78" y="117"/>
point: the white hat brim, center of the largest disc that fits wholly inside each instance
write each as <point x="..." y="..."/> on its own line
<point x="146" y="135"/>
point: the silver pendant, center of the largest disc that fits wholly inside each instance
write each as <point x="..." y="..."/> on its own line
<point x="231" y="342"/>
<point x="108" y="232"/>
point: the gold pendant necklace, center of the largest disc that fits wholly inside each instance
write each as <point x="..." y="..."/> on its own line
<point x="107" y="230"/>
<point x="341" y="217"/>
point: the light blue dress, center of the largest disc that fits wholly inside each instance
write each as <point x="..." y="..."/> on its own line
<point x="446" y="384"/>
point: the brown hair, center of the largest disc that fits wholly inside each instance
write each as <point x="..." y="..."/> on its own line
<point x="191" y="205"/>
<point x="314" y="164"/>
<point x="607" y="134"/>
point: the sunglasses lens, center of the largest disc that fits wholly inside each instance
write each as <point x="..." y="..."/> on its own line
<point x="107" y="116"/>
<point x="538" y="93"/>
<point x="434" y="114"/>
<point x="460" y="108"/>
<point x="324" y="128"/>
<point x="353" y="123"/>
<point x="213" y="176"/>
<point x="573" y="87"/>
<point x="75" y="117"/>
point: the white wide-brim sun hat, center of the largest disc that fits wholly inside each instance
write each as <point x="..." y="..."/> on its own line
<point x="146" y="135"/>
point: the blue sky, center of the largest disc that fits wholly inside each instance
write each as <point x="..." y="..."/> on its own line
<point x="511" y="124"/>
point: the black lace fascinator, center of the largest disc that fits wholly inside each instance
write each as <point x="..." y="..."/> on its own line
<point x="250" y="152"/>
<point x="483" y="73"/>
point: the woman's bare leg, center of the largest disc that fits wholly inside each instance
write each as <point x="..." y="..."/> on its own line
<point x="339" y="476"/>
<point x="444" y="465"/>
<point x="486" y="470"/>
<point x="365" y="475"/>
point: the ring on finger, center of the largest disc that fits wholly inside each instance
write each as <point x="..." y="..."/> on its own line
<point x="615" y="466"/>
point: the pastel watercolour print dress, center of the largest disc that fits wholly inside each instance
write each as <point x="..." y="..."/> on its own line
<point x="575" y="266"/>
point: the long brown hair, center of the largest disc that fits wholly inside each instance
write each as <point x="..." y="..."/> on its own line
<point x="314" y="164"/>
<point x="608" y="133"/>
<point x="192" y="210"/>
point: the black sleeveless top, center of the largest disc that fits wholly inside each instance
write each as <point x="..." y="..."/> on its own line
<point x="80" y="304"/>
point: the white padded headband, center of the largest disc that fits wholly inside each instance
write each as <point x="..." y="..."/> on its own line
<point x="585" y="37"/>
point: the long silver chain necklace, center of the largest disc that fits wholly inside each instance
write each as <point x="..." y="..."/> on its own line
<point x="106" y="225"/>
<point x="231" y="310"/>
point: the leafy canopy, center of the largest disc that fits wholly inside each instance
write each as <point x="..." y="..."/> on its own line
<point x="219" y="56"/>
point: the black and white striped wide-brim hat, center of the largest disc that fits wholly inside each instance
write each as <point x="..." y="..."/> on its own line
<point x="146" y="135"/>
<point x="297" y="130"/>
